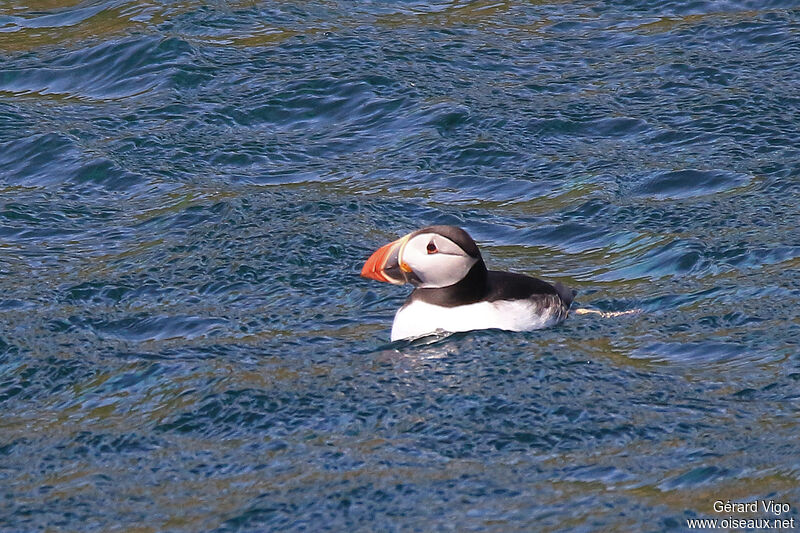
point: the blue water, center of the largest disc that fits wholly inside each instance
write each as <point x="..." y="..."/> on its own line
<point x="189" y="190"/>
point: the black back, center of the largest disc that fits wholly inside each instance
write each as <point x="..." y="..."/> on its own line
<point x="490" y="285"/>
<point x="510" y="286"/>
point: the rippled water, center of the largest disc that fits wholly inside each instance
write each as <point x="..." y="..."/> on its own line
<point x="189" y="190"/>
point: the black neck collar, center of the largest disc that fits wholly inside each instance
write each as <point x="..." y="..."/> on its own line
<point x="472" y="288"/>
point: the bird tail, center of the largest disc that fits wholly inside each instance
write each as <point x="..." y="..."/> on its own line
<point x="566" y="294"/>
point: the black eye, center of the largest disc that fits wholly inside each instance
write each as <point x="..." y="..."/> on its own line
<point x="432" y="248"/>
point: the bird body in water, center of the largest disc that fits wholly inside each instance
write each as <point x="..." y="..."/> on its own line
<point x="454" y="291"/>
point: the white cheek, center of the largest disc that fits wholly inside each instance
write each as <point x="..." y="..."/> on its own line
<point x="446" y="270"/>
<point x="439" y="270"/>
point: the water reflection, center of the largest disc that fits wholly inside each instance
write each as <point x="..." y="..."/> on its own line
<point x="189" y="191"/>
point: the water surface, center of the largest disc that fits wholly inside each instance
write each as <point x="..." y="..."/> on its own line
<point x="188" y="191"/>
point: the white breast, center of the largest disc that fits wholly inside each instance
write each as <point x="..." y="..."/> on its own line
<point x="420" y="318"/>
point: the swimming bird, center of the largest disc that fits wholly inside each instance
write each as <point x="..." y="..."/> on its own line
<point x="453" y="290"/>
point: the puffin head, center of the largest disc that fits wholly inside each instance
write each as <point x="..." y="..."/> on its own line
<point x="431" y="257"/>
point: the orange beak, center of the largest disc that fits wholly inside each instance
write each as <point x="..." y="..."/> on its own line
<point x="386" y="263"/>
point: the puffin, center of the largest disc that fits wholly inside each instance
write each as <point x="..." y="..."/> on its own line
<point x="454" y="291"/>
